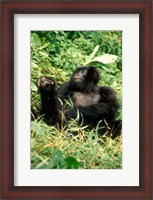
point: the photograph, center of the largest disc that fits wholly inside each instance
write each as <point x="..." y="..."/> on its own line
<point x="76" y="99"/>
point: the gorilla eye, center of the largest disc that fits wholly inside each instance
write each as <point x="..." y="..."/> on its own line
<point x="83" y="70"/>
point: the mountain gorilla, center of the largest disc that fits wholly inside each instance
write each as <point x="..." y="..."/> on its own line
<point x="92" y="102"/>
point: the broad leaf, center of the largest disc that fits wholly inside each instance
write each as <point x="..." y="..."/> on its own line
<point x="106" y="58"/>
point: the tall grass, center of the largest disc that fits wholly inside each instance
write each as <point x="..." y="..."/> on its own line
<point x="49" y="146"/>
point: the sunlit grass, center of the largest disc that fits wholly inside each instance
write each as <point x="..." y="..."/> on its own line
<point x="89" y="149"/>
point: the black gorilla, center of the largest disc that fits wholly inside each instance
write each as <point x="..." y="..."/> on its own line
<point x="94" y="103"/>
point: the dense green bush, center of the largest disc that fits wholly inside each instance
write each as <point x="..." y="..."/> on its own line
<point x="57" y="54"/>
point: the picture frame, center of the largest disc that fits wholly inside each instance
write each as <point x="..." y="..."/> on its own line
<point x="8" y="10"/>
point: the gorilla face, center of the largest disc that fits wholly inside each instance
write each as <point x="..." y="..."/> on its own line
<point x="84" y="79"/>
<point x="80" y="74"/>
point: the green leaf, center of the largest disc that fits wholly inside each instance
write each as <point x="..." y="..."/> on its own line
<point x="57" y="160"/>
<point x="34" y="87"/>
<point x="57" y="154"/>
<point x="35" y="40"/>
<point x="71" y="163"/>
<point x="92" y="55"/>
<point x="37" y="128"/>
<point x="43" y="54"/>
<point x="44" y="46"/>
<point x="34" y="65"/>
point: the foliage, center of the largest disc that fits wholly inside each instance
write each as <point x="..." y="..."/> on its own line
<point x="57" y="54"/>
<point x="52" y="148"/>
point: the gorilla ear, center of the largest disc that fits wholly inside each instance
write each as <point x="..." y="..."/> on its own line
<point x="97" y="75"/>
<point x="94" y="74"/>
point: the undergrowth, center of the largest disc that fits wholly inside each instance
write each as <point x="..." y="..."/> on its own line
<point x="57" y="54"/>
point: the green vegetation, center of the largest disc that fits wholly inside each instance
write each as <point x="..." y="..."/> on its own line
<point x="57" y="54"/>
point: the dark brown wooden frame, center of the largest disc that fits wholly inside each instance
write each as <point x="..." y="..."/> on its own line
<point x="11" y="7"/>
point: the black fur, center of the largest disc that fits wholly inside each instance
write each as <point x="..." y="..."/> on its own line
<point x="93" y="102"/>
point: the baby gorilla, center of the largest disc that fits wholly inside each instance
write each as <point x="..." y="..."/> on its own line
<point x="94" y="103"/>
